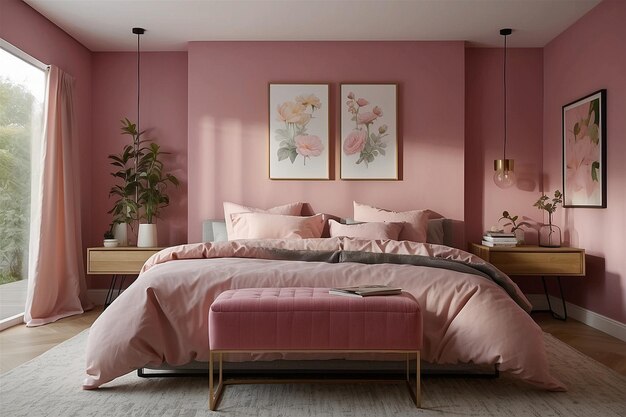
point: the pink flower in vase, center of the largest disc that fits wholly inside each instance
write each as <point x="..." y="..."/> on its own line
<point x="354" y="142"/>
<point x="309" y="145"/>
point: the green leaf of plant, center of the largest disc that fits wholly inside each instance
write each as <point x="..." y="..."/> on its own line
<point x="595" y="167"/>
<point x="283" y="153"/>
<point x="292" y="155"/>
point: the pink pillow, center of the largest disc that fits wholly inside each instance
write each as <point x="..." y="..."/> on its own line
<point x="415" y="221"/>
<point x="292" y="209"/>
<point x="375" y="231"/>
<point x="276" y="226"/>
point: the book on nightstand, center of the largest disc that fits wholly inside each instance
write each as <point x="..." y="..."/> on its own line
<point x="365" y="291"/>
<point x="499" y="244"/>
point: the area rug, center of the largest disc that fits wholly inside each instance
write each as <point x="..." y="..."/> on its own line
<point x="49" y="385"/>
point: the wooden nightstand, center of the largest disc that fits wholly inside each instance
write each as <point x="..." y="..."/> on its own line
<point x="118" y="262"/>
<point x="537" y="261"/>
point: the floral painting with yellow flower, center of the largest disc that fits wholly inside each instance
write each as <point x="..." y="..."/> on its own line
<point x="583" y="142"/>
<point x="299" y="131"/>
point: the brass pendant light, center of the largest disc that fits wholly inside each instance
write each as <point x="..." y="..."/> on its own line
<point x="504" y="175"/>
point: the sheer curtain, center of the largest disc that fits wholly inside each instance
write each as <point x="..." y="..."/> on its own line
<point x="56" y="280"/>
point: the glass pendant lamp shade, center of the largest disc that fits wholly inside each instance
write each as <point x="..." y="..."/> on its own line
<point x="504" y="175"/>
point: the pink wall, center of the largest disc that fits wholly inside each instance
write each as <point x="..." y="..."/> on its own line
<point x="26" y="29"/>
<point x="163" y="112"/>
<point x="588" y="56"/>
<point x="484" y="127"/>
<point x="228" y="129"/>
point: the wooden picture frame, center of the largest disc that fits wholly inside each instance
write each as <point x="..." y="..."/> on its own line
<point x="369" y="131"/>
<point x="584" y="151"/>
<point x="299" y="133"/>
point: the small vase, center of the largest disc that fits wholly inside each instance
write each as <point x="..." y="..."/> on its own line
<point x="550" y="236"/>
<point x="519" y="236"/>
<point x="147" y="237"/>
<point x="120" y="231"/>
<point x="110" y="243"/>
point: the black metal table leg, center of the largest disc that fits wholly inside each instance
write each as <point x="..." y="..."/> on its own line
<point x="109" y="299"/>
<point x="545" y="289"/>
<point x="114" y="279"/>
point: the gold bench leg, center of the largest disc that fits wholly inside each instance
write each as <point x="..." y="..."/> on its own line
<point x="214" y="394"/>
<point x="418" y="395"/>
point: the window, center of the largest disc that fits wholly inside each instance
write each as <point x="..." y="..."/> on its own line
<point x="22" y="97"/>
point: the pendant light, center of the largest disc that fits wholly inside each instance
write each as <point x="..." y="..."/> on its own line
<point x="504" y="175"/>
<point x="138" y="32"/>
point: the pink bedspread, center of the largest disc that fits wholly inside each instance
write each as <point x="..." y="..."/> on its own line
<point x="162" y="316"/>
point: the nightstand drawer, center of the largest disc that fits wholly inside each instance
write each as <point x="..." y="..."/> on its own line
<point x="537" y="263"/>
<point x="117" y="261"/>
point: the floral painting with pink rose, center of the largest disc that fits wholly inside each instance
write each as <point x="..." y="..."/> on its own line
<point x="582" y="152"/>
<point x="295" y="140"/>
<point x="367" y="137"/>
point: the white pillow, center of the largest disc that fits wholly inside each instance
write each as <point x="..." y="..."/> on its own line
<point x="292" y="209"/>
<point x="276" y="226"/>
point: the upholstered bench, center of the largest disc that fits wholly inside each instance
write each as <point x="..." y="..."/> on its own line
<point x="310" y="320"/>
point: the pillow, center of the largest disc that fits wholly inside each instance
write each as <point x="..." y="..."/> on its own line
<point x="415" y="221"/>
<point x="292" y="209"/>
<point x="275" y="226"/>
<point x="376" y="231"/>
<point x="435" y="231"/>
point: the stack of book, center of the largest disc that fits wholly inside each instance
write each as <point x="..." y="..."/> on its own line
<point x="499" y="239"/>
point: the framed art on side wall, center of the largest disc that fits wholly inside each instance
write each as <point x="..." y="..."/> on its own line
<point x="298" y="132"/>
<point x="584" y="152"/>
<point x="369" y="132"/>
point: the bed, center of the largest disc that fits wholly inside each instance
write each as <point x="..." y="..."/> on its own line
<point x="473" y="313"/>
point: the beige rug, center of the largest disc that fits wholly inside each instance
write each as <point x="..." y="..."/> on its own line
<point x="50" y="386"/>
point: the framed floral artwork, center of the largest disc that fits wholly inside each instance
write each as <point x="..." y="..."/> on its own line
<point x="298" y="132"/>
<point x="369" y="132"/>
<point x="584" y="152"/>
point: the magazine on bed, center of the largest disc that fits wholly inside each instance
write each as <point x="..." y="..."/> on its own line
<point x="365" y="290"/>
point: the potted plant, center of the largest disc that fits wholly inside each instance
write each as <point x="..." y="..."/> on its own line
<point x="125" y="208"/>
<point x="141" y="194"/>
<point x="549" y="234"/>
<point x="152" y="184"/>
<point x="109" y="239"/>
<point x="515" y="228"/>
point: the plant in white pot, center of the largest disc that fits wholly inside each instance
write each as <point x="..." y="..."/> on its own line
<point x="152" y="184"/>
<point x="125" y="208"/>
<point x="109" y="239"/>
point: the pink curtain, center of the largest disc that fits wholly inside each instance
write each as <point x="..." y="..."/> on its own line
<point x="56" y="280"/>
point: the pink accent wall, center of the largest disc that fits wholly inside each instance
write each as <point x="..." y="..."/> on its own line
<point x="26" y="29"/>
<point x="228" y="123"/>
<point x="163" y="113"/>
<point x="588" y="56"/>
<point x="484" y="136"/>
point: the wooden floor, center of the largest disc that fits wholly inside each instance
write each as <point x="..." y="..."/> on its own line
<point x="20" y="344"/>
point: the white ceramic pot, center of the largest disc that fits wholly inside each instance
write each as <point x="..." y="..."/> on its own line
<point x="120" y="231"/>
<point x="147" y="237"/>
<point x="110" y="243"/>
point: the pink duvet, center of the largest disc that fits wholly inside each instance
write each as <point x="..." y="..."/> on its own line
<point x="162" y="316"/>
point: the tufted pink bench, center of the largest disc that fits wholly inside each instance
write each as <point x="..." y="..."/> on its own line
<point x="254" y="320"/>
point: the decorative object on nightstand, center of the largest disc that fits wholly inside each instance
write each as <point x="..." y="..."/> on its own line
<point x="516" y="229"/>
<point x="109" y="240"/>
<point x="549" y="234"/>
<point x="536" y="261"/>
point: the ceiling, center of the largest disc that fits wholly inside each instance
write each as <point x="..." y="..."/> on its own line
<point x="105" y="25"/>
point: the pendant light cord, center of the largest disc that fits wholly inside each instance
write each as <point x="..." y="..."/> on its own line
<point x="505" y="97"/>
<point x="139" y="81"/>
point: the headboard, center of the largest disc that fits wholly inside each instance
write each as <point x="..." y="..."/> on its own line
<point x="439" y="231"/>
